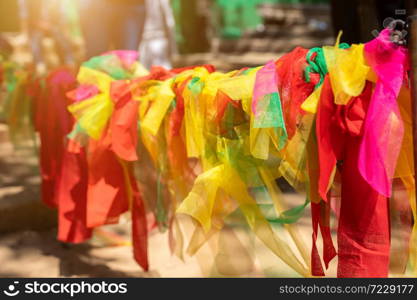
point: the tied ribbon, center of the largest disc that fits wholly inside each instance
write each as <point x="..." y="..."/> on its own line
<point x="94" y="113"/>
<point x="347" y="70"/>
<point x="318" y="65"/>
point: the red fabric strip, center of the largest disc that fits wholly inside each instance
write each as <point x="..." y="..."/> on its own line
<point x="364" y="231"/>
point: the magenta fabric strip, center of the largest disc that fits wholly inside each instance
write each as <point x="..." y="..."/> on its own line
<point x="265" y="84"/>
<point x="384" y="129"/>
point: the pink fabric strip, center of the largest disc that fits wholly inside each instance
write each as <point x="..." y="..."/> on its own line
<point x="384" y="129"/>
<point x="265" y="84"/>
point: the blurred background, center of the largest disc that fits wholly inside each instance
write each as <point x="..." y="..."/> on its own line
<point x="230" y="34"/>
<point x="227" y="33"/>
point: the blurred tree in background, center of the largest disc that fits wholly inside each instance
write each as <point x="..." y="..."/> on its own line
<point x="191" y="26"/>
